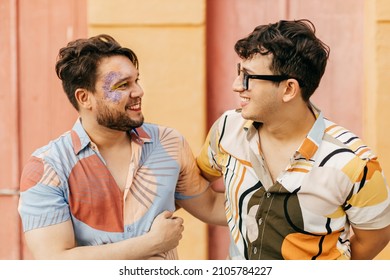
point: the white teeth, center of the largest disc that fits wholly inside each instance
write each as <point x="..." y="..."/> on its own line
<point x="244" y="99"/>
<point x="135" y="106"/>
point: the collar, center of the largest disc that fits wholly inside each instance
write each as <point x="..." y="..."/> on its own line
<point x="80" y="138"/>
<point x="312" y="141"/>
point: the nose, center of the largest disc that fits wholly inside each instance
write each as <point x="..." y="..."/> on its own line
<point x="137" y="92"/>
<point x="237" y="84"/>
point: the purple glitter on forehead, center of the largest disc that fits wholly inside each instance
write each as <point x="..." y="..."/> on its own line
<point x="110" y="93"/>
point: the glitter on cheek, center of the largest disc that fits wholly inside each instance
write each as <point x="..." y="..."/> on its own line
<point x="109" y="93"/>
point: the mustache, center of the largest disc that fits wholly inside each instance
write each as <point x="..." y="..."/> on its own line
<point x="134" y="102"/>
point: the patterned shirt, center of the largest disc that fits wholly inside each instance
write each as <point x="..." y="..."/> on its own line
<point x="68" y="179"/>
<point x="331" y="182"/>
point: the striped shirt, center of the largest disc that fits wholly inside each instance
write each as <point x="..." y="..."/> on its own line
<point x="68" y="179"/>
<point x="331" y="182"/>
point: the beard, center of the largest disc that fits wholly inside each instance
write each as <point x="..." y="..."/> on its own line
<point x="116" y="120"/>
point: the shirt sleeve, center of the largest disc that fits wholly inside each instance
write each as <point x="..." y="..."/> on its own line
<point x="369" y="204"/>
<point x="42" y="202"/>
<point x="210" y="153"/>
<point x="190" y="182"/>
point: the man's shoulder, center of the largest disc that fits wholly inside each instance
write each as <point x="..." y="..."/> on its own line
<point x="232" y="116"/>
<point x="60" y="143"/>
<point x="346" y="139"/>
<point x="231" y="120"/>
<point x="233" y="113"/>
<point x="45" y="162"/>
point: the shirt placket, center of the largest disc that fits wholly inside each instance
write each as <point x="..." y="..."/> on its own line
<point x="136" y="149"/>
<point x="258" y="163"/>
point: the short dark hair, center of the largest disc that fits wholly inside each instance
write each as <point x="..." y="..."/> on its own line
<point x="296" y="50"/>
<point x="77" y="63"/>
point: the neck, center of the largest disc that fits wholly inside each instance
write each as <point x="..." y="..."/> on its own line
<point x="293" y="125"/>
<point x="104" y="137"/>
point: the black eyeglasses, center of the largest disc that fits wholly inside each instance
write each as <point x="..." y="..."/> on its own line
<point x="246" y="77"/>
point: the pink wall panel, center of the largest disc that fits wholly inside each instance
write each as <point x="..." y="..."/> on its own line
<point x="228" y="21"/>
<point x="45" y="112"/>
<point x="33" y="107"/>
<point x="225" y="25"/>
<point x="44" y="108"/>
<point x="10" y="247"/>
<point x="9" y="166"/>
<point x="338" y="23"/>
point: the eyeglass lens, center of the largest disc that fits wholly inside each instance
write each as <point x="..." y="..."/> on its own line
<point x="245" y="78"/>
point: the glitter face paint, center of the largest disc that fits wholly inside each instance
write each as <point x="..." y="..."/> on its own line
<point x="110" y="92"/>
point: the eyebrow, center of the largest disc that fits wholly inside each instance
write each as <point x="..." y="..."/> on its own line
<point x="116" y="84"/>
<point x="244" y="69"/>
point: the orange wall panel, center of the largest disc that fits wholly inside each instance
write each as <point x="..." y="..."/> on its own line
<point x="376" y="81"/>
<point x="169" y="39"/>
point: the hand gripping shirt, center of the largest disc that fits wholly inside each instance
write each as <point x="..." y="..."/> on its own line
<point x="68" y="179"/>
<point x="331" y="182"/>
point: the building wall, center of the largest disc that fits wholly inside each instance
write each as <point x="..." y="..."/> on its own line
<point x="9" y="168"/>
<point x="376" y="99"/>
<point x="187" y="66"/>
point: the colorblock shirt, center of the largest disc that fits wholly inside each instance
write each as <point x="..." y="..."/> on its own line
<point x="69" y="180"/>
<point x="331" y="182"/>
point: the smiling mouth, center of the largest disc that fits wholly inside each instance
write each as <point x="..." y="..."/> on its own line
<point x="244" y="99"/>
<point x="136" y="106"/>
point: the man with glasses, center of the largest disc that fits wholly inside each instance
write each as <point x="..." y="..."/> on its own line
<point x="297" y="185"/>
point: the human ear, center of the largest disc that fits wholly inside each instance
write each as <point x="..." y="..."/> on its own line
<point x="83" y="98"/>
<point x="291" y="90"/>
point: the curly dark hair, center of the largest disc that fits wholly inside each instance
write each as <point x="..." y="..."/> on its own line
<point x="77" y="63"/>
<point x="296" y="51"/>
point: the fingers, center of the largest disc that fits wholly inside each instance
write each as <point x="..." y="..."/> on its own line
<point x="166" y="214"/>
<point x="177" y="226"/>
<point x="173" y="222"/>
<point x="177" y="223"/>
<point x="167" y="230"/>
<point x="169" y="215"/>
<point x="178" y="220"/>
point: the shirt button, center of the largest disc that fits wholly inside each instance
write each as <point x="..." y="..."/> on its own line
<point x="260" y="221"/>
<point x="268" y="194"/>
<point x="254" y="250"/>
